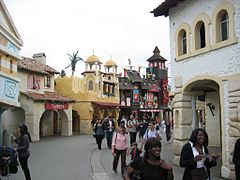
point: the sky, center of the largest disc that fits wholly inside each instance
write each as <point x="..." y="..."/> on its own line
<point x="120" y="30"/>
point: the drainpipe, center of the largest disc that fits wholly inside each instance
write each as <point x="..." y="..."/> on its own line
<point x="194" y="113"/>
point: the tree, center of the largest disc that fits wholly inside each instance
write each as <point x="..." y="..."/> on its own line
<point x="74" y="59"/>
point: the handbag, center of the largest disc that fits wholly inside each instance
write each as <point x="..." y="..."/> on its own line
<point x="199" y="174"/>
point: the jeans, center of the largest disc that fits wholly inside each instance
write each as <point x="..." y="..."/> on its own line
<point x="109" y="135"/>
<point x="133" y="136"/>
<point x="116" y="159"/>
<point x="99" y="139"/>
<point x="24" y="164"/>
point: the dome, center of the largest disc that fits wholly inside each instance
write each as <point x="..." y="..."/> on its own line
<point x="92" y="59"/>
<point x="110" y="63"/>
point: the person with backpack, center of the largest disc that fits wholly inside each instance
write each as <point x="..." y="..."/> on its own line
<point x="119" y="148"/>
<point x="99" y="130"/>
<point x="132" y="125"/>
<point x="23" y="149"/>
<point x="151" y="166"/>
<point x="150" y="132"/>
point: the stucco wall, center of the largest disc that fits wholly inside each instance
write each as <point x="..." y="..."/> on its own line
<point x="218" y="62"/>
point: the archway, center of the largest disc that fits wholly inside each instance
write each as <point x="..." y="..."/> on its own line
<point x="12" y="118"/>
<point x="75" y="122"/>
<point x="206" y="112"/>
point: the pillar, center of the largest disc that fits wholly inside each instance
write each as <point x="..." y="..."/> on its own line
<point x="194" y="115"/>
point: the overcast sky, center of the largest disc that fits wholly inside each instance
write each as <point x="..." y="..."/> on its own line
<point x="122" y="30"/>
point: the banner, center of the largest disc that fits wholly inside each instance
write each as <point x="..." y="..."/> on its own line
<point x="135" y="96"/>
<point x="51" y="106"/>
<point x="165" y="91"/>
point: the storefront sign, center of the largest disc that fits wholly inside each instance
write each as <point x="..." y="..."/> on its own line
<point x="50" y="106"/>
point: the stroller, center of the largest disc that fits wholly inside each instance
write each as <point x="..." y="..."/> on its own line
<point x="8" y="161"/>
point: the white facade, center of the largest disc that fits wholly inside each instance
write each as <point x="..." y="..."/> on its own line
<point x="212" y="71"/>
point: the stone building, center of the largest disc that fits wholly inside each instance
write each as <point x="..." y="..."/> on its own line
<point x="45" y="112"/>
<point x="95" y="94"/>
<point x="205" y="66"/>
<point x="10" y="44"/>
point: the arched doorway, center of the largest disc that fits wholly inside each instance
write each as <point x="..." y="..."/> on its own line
<point x="75" y="122"/>
<point x="206" y="113"/>
<point x="50" y="124"/>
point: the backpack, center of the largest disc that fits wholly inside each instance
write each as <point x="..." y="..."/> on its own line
<point x="136" y="174"/>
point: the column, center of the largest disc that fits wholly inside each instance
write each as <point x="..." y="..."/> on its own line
<point x="194" y="113"/>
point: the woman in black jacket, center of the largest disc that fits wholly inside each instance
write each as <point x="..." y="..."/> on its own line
<point x="23" y="149"/>
<point x="195" y="157"/>
<point x="236" y="159"/>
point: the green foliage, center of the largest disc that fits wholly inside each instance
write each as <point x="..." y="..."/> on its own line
<point x="74" y="59"/>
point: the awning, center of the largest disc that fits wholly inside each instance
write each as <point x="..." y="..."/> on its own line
<point x="154" y="88"/>
<point x="106" y="104"/>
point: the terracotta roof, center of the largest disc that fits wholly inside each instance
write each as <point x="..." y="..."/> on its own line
<point x="163" y="9"/>
<point x="156" y="55"/>
<point x="107" y="104"/>
<point x="35" y="66"/>
<point x="47" y="96"/>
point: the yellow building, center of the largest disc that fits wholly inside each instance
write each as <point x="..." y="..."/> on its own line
<point x="96" y="94"/>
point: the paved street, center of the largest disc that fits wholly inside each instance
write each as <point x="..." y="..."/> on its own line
<point x="76" y="158"/>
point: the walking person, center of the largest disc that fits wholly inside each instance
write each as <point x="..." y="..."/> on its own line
<point x="23" y="149"/>
<point x="236" y="159"/>
<point x="119" y="148"/>
<point x="135" y="152"/>
<point x="151" y="166"/>
<point x="99" y="132"/>
<point x="195" y="157"/>
<point x="132" y="128"/>
<point x="150" y="132"/>
<point x="110" y="127"/>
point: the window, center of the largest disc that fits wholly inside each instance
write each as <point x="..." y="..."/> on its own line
<point x="200" y="36"/>
<point x="47" y="81"/>
<point x="182" y="38"/>
<point x="11" y="66"/>
<point x="33" y="82"/>
<point x="224" y="26"/>
<point x="90" y="85"/>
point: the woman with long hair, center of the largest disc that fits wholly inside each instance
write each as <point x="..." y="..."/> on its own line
<point x="23" y="149"/>
<point x="151" y="166"/>
<point x="195" y="157"/>
<point x="119" y="148"/>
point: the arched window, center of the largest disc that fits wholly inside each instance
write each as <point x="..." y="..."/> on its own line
<point x="200" y="35"/>
<point x="90" y="85"/>
<point x="182" y="45"/>
<point x="224" y="26"/>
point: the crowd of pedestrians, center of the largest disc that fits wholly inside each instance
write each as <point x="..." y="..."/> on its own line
<point x="146" y="161"/>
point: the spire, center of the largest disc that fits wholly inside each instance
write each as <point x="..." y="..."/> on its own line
<point x="156" y="50"/>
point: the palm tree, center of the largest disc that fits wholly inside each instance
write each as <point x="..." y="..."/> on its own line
<point x="74" y="59"/>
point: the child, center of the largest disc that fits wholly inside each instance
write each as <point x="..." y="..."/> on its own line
<point x="135" y="152"/>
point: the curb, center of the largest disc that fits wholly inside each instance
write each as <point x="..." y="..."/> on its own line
<point x="97" y="167"/>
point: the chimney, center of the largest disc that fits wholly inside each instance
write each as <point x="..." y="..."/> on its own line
<point x="40" y="57"/>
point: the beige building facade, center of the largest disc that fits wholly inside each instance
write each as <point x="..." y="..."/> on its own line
<point x="96" y="93"/>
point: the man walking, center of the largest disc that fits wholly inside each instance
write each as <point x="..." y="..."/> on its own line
<point x="132" y="128"/>
<point x="110" y="126"/>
